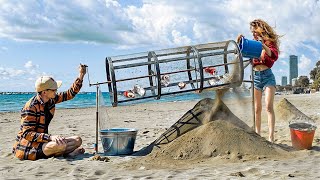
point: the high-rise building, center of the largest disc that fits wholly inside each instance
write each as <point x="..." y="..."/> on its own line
<point x="293" y="68"/>
<point x="284" y="81"/>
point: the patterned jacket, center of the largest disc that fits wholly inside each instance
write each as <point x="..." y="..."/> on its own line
<point x="35" y="119"/>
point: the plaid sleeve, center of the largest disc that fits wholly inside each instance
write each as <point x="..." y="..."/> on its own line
<point x="70" y="93"/>
<point x="28" y="125"/>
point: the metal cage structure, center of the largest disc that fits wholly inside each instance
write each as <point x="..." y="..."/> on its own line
<point x="161" y="72"/>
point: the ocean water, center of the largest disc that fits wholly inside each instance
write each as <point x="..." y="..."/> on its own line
<point x="15" y="101"/>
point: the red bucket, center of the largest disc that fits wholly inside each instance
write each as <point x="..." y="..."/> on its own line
<point x="302" y="135"/>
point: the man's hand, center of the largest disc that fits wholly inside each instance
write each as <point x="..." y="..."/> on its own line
<point x="82" y="70"/>
<point x="58" y="139"/>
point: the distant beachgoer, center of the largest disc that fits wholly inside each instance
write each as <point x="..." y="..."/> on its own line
<point x="33" y="140"/>
<point x="264" y="79"/>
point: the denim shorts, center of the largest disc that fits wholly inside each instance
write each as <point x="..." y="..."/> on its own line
<point x="263" y="79"/>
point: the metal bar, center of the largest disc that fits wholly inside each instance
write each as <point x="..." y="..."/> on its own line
<point x="225" y="54"/>
<point x="253" y="104"/>
<point x="187" y="82"/>
<point x="192" y="56"/>
<point x="150" y="72"/>
<point x="169" y="54"/>
<point x="150" y="62"/>
<point x="133" y="65"/>
<point x="248" y="81"/>
<point x="129" y="59"/>
<point x="166" y="54"/>
<point x="138" y="77"/>
<point x="217" y="53"/>
<point x="108" y="71"/>
<point x="189" y="67"/>
<point x="155" y="58"/>
<point x="176" y="92"/>
<point x="171" y="60"/>
<point x="200" y="66"/>
<point x="222" y="64"/>
<point x="176" y="59"/>
<point x="114" y="84"/>
<point x="140" y="98"/>
<point x="97" y="119"/>
<point x="173" y="72"/>
<point x="95" y="84"/>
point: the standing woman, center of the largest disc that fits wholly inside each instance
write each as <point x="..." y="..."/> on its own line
<point x="264" y="79"/>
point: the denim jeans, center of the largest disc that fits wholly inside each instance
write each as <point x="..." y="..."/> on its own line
<point x="263" y="79"/>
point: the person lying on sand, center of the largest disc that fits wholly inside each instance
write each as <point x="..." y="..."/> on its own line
<point x="33" y="141"/>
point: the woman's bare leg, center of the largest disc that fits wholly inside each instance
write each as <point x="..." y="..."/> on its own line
<point x="258" y="108"/>
<point x="269" y="99"/>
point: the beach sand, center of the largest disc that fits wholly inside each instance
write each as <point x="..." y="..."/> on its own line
<point x="223" y="157"/>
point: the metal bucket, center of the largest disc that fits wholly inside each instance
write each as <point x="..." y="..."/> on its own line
<point x="118" y="141"/>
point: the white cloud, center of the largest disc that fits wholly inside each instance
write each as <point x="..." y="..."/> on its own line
<point x="7" y="73"/>
<point x="111" y="3"/>
<point x="304" y="65"/>
<point x="30" y="65"/>
<point x="29" y="72"/>
<point x="179" y="39"/>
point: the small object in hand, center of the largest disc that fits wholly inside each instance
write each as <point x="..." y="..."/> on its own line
<point x="210" y="70"/>
<point x="182" y="85"/>
<point x="129" y="94"/>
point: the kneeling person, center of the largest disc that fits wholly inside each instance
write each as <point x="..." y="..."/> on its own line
<point x="33" y="140"/>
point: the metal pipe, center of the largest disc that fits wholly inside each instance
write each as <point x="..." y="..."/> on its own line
<point x="253" y="104"/>
<point x="97" y="119"/>
<point x="171" y="59"/>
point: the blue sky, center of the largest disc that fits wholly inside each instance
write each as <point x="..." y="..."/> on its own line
<point x="39" y="37"/>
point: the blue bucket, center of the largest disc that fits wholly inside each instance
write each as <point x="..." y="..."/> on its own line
<point x="250" y="48"/>
<point x="118" y="141"/>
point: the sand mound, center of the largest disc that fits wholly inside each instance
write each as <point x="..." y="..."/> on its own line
<point x="213" y="139"/>
<point x="221" y="133"/>
<point x="286" y="111"/>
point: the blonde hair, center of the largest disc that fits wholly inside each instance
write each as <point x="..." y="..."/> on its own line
<point x="266" y="31"/>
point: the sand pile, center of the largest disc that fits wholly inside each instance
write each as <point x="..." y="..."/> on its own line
<point x="286" y="111"/>
<point x="218" y="133"/>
